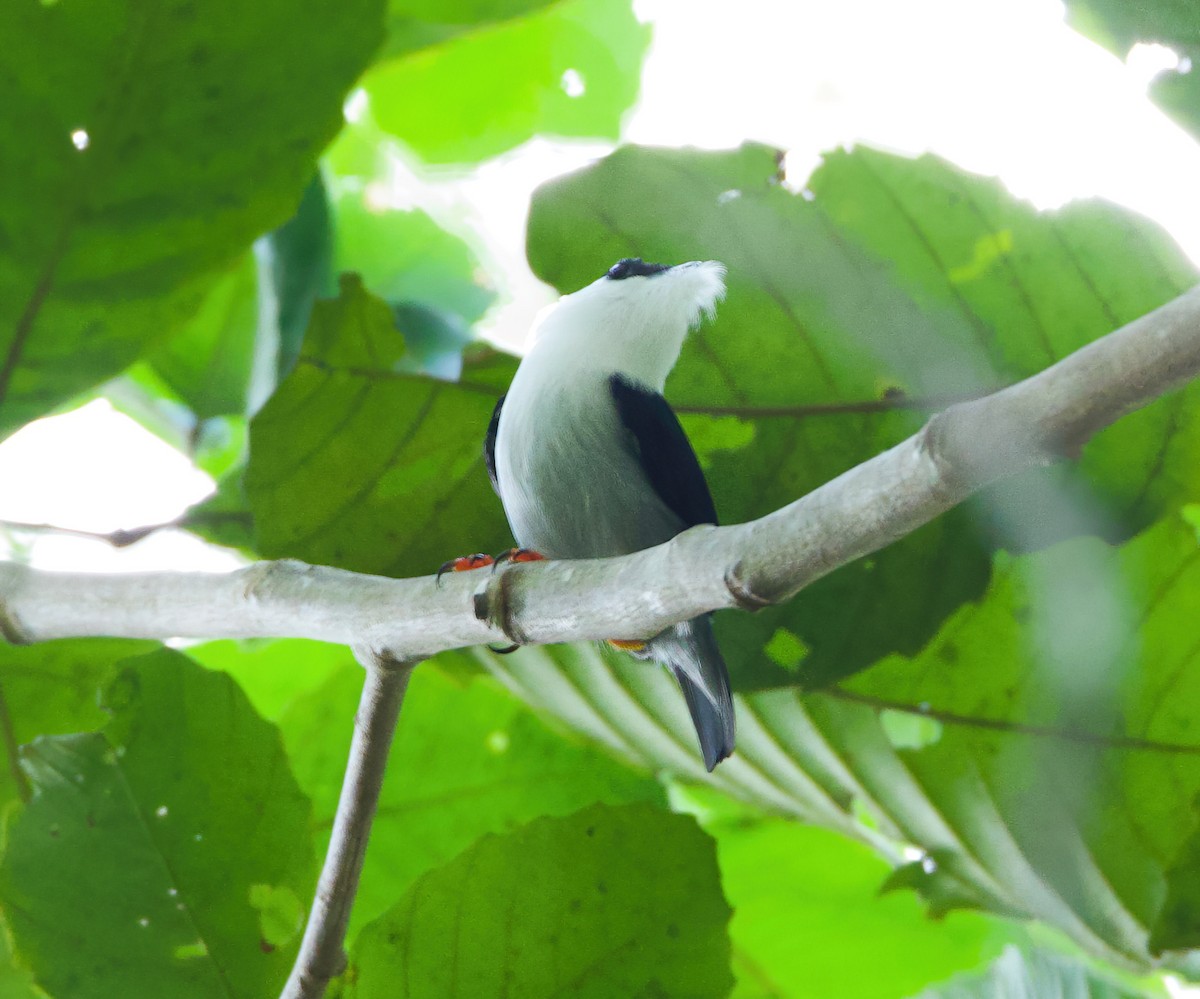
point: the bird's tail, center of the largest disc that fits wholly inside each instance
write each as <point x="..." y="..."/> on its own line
<point x="691" y="652"/>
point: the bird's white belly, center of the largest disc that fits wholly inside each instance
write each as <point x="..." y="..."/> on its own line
<point x="570" y="483"/>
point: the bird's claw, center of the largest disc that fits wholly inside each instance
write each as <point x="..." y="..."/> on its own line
<point x="517" y="555"/>
<point x="464" y="563"/>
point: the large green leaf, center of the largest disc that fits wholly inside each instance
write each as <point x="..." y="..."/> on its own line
<point x="355" y="463"/>
<point x="148" y="860"/>
<point x="888" y="288"/>
<point x="469" y="759"/>
<point x="195" y="144"/>
<point x="608" y="902"/>
<point x="1052" y="772"/>
<point x="569" y="68"/>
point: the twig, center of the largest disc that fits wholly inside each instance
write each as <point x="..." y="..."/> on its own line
<point x="321" y="956"/>
<point x="120" y="538"/>
<point x="124" y="537"/>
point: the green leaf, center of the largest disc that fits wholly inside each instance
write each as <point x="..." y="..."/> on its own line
<point x="133" y="869"/>
<point x="608" y="902"/>
<point x="1063" y="701"/>
<point x="225" y="517"/>
<point x="405" y="256"/>
<point x="469" y="759"/>
<point x="1178" y="923"/>
<point x="301" y="267"/>
<point x="418" y="24"/>
<point x="1025" y="974"/>
<point x="357" y="464"/>
<point x="53" y="688"/>
<point x="15" y="982"/>
<point x="275" y="673"/>
<point x="194" y="144"/>
<point x="1118" y="26"/>
<point x="208" y="363"/>
<point x="788" y="882"/>
<point x="889" y="288"/>
<point x="500" y="82"/>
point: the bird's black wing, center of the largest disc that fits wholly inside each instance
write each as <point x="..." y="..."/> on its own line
<point x="489" y="444"/>
<point x="664" y="451"/>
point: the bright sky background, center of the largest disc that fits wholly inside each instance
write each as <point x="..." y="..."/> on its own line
<point x="1000" y="87"/>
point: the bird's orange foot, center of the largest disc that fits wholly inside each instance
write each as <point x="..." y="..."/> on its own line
<point x="518" y="555"/>
<point x="464" y="563"/>
<point x="627" y="644"/>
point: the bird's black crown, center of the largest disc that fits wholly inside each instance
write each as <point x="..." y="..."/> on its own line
<point x="634" y="267"/>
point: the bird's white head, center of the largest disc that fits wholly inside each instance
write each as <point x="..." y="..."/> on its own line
<point x="633" y="320"/>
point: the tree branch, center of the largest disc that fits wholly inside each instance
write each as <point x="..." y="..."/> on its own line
<point x="321" y="957"/>
<point x="1035" y="422"/>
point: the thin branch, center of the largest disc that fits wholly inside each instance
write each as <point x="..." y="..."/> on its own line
<point x="321" y="957"/>
<point x="124" y="537"/>
<point x="120" y="538"/>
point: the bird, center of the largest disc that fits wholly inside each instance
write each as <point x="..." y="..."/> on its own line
<point x="590" y="461"/>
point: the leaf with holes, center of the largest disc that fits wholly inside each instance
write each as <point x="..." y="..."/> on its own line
<point x="140" y="865"/>
<point x="885" y="291"/>
<point x="143" y="147"/>
<point x="607" y="902"/>
<point x="358" y="464"/>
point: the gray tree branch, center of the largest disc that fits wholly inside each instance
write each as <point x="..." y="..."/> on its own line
<point x="1037" y="421"/>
